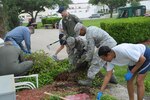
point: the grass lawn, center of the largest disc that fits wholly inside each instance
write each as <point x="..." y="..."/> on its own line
<point x="90" y="22"/>
<point x="95" y="22"/>
<point x="39" y="25"/>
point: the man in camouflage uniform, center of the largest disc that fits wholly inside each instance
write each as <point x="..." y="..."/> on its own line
<point x="95" y="37"/>
<point x="78" y="48"/>
<point x="69" y="21"/>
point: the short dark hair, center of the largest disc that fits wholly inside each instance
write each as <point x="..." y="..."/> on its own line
<point x="103" y="50"/>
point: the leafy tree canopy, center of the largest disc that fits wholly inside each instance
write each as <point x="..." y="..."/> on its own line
<point x="29" y="6"/>
<point x="112" y="4"/>
<point x="13" y="8"/>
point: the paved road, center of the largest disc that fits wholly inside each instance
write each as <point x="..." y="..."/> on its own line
<point x="43" y="37"/>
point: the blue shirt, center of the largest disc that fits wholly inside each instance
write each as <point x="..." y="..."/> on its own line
<point x="19" y="34"/>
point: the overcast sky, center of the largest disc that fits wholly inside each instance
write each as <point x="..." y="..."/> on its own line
<point x="79" y="1"/>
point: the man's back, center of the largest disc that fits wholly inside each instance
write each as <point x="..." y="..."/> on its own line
<point x="19" y="33"/>
<point x="69" y="23"/>
<point x="9" y="57"/>
<point x="99" y="36"/>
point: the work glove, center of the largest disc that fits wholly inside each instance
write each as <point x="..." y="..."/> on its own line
<point x="128" y="76"/>
<point x="99" y="95"/>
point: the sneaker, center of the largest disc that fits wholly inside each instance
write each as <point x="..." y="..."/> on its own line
<point x="55" y="58"/>
<point x="113" y="80"/>
<point x="87" y="82"/>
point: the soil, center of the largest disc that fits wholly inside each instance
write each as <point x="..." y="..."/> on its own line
<point x="61" y="87"/>
<point x="65" y="84"/>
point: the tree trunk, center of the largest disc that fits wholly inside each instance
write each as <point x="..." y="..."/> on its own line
<point x="36" y="15"/>
<point x="2" y="23"/>
<point x="111" y="12"/>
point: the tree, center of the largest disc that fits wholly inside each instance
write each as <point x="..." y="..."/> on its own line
<point x="2" y="28"/>
<point x="31" y="6"/>
<point x="135" y="3"/>
<point x="64" y="2"/>
<point x="10" y="10"/>
<point x="112" y="4"/>
<point x="13" y="8"/>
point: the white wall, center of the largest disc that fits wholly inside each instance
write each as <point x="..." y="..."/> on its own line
<point x="146" y="3"/>
<point x="82" y="10"/>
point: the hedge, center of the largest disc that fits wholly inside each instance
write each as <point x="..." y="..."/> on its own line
<point x="51" y="20"/>
<point x="128" y="30"/>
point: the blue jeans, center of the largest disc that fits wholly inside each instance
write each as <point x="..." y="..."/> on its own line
<point x="13" y="42"/>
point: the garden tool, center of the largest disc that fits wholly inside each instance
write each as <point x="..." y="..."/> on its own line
<point x="48" y="46"/>
<point x="50" y="94"/>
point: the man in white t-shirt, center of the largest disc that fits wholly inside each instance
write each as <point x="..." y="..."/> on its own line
<point x="136" y="57"/>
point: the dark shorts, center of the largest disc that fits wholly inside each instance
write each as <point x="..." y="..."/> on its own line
<point x="146" y="66"/>
<point x="62" y="42"/>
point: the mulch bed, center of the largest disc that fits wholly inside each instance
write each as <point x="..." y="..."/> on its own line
<point x="65" y="84"/>
<point x="57" y="88"/>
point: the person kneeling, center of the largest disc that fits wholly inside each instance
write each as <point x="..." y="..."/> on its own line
<point x="12" y="61"/>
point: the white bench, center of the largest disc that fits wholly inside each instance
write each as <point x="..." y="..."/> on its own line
<point x="26" y="84"/>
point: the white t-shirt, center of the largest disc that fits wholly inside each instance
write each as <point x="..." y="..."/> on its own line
<point x="60" y="27"/>
<point x="126" y="54"/>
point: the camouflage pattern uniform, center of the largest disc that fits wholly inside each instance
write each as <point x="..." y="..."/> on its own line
<point x="69" y="23"/>
<point x="77" y="46"/>
<point x="96" y="37"/>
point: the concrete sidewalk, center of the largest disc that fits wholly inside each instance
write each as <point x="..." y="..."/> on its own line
<point x="42" y="38"/>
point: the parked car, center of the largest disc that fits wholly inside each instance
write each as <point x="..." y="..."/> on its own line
<point x="95" y="16"/>
<point x="98" y="15"/>
<point x="147" y="15"/>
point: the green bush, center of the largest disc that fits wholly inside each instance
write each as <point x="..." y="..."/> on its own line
<point x="131" y="30"/>
<point x="51" y="20"/>
<point x="46" y="67"/>
<point x="147" y="85"/>
<point x="108" y="97"/>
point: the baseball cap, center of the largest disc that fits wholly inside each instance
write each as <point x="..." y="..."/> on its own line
<point x="77" y="28"/>
<point x="61" y="9"/>
<point x="71" y="42"/>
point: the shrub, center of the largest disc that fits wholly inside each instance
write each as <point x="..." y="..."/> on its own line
<point x="46" y="67"/>
<point x="108" y="97"/>
<point x="51" y="20"/>
<point x="131" y="30"/>
<point x="147" y="86"/>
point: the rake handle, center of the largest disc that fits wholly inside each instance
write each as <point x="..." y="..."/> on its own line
<point x="55" y="95"/>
